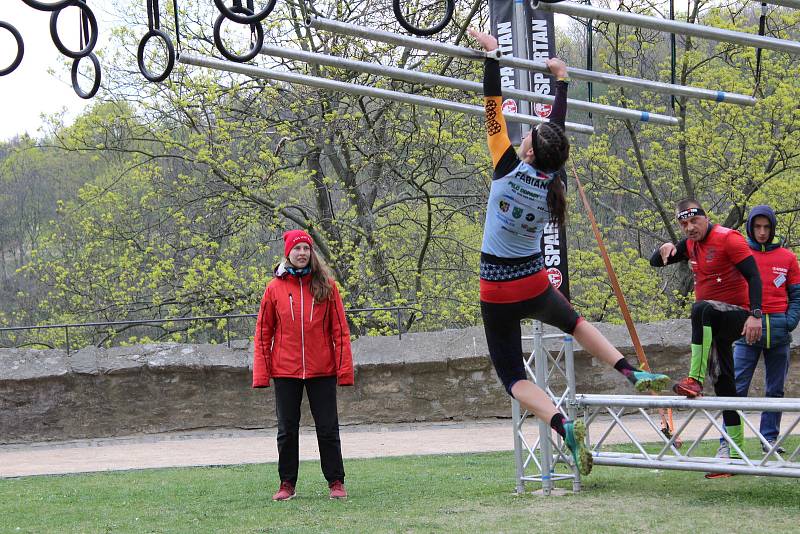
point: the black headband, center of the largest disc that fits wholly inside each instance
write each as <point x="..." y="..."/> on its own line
<point x="688" y="213"/>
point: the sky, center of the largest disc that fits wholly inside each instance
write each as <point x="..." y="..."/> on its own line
<point x="41" y="84"/>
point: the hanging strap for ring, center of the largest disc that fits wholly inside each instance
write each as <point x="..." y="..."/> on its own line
<point x="762" y="22"/>
<point x="251" y="5"/>
<point x="177" y="28"/>
<point x="153" y="18"/>
<point x="83" y="28"/>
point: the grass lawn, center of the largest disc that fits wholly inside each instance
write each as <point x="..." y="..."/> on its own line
<point x="449" y="493"/>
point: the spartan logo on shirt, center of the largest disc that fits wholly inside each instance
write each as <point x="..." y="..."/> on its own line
<point x="711" y="253"/>
<point x="504" y="206"/>
<point x="492" y="126"/>
<point x="516" y="213"/>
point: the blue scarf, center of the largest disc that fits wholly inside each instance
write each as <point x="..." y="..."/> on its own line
<point x="298" y="272"/>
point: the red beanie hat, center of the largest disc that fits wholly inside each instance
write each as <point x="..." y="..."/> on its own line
<point x="292" y="238"/>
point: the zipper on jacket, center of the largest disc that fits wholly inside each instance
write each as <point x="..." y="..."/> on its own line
<point x="312" y="310"/>
<point x="302" y="330"/>
<point x="291" y="305"/>
<point x="767" y="321"/>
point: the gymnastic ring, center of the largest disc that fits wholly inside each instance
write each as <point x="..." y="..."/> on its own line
<point x="170" y="56"/>
<point x="92" y="32"/>
<point x="450" y="6"/>
<point x="97" y="75"/>
<point x="233" y="13"/>
<point x="20" y="48"/>
<point x="233" y="57"/>
<point x="45" y="6"/>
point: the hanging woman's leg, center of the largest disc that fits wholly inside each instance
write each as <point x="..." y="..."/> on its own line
<point x="553" y="308"/>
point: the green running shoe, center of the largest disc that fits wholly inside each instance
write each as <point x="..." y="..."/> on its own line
<point x="575" y="438"/>
<point x="647" y="381"/>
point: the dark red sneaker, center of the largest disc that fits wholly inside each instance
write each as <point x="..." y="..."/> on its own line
<point x="688" y="387"/>
<point x="285" y="492"/>
<point x="337" y="490"/>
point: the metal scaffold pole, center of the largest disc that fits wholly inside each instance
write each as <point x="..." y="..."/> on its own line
<point x="362" y="90"/>
<point x="539" y="456"/>
<point x="682" y="28"/>
<point x="464" y="85"/>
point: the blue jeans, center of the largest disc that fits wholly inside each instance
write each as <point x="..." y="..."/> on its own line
<point x="776" y="361"/>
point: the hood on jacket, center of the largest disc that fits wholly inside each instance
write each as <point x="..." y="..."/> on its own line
<point x="762" y="210"/>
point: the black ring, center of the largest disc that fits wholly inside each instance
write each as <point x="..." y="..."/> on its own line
<point x="92" y="32"/>
<point x="249" y="55"/>
<point x="170" y="56"/>
<point x="97" y="76"/>
<point x="439" y="26"/>
<point x="20" y="48"/>
<point x="43" y="6"/>
<point x="233" y="13"/>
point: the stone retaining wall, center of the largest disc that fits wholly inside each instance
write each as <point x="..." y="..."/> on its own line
<point x="433" y="376"/>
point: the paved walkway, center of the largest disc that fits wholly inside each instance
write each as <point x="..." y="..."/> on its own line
<point x="258" y="446"/>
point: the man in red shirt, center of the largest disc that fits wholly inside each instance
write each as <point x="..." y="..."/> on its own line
<point x="727" y="302"/>
<point x="780" y="278"/>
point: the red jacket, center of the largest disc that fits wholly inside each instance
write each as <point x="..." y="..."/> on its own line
<point x="299" y="338"/>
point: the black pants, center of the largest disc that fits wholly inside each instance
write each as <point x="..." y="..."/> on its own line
<point x="322" y="400"/>
<point x="717" y="324"/>
<point x="501" y="322"/>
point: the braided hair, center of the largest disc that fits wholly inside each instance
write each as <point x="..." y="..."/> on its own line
<point x="550" y="152"/>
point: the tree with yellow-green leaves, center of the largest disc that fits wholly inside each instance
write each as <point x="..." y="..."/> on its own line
<point x="728" y="157"/>
<point x="196" y="179"/>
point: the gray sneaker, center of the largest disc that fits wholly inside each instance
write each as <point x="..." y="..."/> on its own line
<point x="766" y="448"/>
<point x="724" y="450"/>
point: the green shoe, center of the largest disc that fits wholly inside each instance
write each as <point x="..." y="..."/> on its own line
<point x="575" y="438"/>
<point x="647" y="381"/>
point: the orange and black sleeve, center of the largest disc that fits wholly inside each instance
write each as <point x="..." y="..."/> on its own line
<point x="504" y="158"/>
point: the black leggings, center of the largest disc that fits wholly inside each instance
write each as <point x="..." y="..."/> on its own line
<point x="322" y="401"/>
<point x="504" y="333"/>
<point x="718" y="324"/>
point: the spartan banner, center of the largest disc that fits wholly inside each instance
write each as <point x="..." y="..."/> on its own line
<point x="539" y="44"/>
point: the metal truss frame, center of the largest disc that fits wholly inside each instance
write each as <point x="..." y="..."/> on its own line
<point x="536" y="457"/>
<point x="656" y="450"/>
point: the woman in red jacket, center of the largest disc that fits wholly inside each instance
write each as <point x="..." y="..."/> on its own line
<point x="302" y="341"/>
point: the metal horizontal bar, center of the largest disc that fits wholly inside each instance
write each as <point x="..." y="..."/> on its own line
<point x="683" y="28"/>
<point x="350" y="88"/>
<point x="464" y="85"/>
<point x="536" y="66"/>
<point x="702" y="403"/>
<point x="721" y="465"/>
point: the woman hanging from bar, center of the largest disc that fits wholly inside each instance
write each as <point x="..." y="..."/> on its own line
<point x="526" y="194"/>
